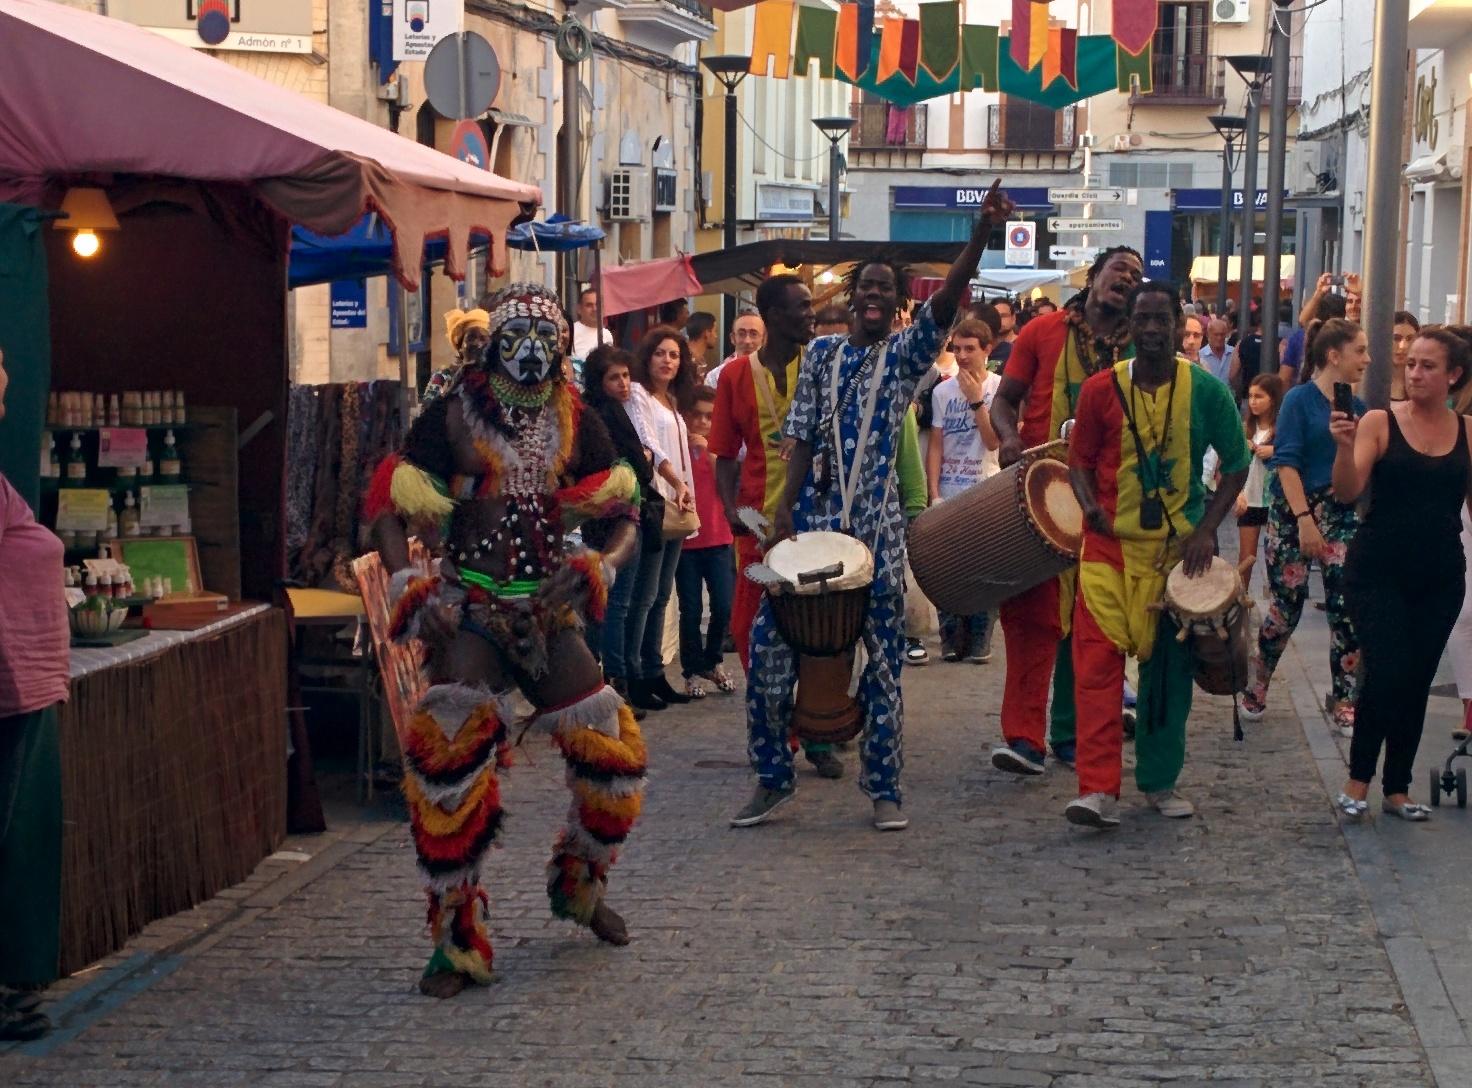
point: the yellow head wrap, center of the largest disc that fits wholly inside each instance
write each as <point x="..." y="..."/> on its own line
<point x="458" y="322"/>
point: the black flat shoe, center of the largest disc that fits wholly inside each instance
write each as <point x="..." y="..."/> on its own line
<point x="642" y="697"/>
<point x="660" y="687"/>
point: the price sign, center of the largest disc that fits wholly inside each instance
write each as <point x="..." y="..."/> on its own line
<point x="82" y="508"/>
<point x="163" y="505"/>
<point x="118" y="446"/>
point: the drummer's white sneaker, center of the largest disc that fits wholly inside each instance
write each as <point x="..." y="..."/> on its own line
<point x="1093" y="810"/>
<point x="1171" y="804"/>
<point x="888" y="817"/>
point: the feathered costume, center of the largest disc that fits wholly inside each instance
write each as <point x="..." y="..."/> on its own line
<point x="552" y="464"/>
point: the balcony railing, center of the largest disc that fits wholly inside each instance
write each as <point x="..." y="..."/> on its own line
<point x="1029" y="128"/>
<point x="881" y="126"/>
<point x="1201" y="79"/>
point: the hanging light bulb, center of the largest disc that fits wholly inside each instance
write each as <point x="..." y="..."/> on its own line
<point x="85" y="243"/>
<point x="86" y="210"/>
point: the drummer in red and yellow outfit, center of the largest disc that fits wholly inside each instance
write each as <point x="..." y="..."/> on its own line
<point x="1142" y="429"/>
<point x="1048" y="365"/>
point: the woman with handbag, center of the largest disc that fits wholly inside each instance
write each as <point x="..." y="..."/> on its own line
<point x="607" y="388"/>
<point x="664" y="378"/>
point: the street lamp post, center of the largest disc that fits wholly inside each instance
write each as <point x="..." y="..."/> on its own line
<point x="1282" y="24"/>
<point x="834" y="128"/>
<point x="730" y="69"/>
<point x="1228" y="127"/>
<point x="1249" y="66"/>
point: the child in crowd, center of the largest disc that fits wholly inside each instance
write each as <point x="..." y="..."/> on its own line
<point x="1264" y="396"/>
<point x="706" y="563"/>
<point x="962" y="453"/>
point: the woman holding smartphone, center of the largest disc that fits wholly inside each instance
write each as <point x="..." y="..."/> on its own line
<point x="1306" y="523"/>
<point x="1405" y="569"/>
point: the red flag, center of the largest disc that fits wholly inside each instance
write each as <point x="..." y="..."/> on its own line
<point x="1134" y="24"/>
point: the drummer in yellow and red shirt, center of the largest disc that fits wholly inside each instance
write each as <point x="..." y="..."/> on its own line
<point x="1142" y="428"/>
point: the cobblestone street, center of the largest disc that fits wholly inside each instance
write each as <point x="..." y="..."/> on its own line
<point x="990" y="944"/>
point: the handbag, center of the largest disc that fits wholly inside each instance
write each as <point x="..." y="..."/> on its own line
<point x="679" y="524"/>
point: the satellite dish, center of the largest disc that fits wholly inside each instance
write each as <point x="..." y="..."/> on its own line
<point x="462" y="76"/>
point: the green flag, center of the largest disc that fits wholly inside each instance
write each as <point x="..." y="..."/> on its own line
<point x="1126" y="66"/>
<point x="817" y="31"/>
<point x="979" y="46"/>
<point x="940" y="39"/>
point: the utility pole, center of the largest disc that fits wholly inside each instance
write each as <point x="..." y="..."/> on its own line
<point x="1227" y="127"/>
<point x="1383" y="193"/>
<point x="730" y="69"/>
<point x="1250" y="66"/>
<point x="1281" y="41"/>
<point x="573" y="46"/>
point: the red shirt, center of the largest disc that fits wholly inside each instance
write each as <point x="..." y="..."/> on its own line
<point x="715" y="530"/>
<point x="1034" y="362"/>
<point x="35" y="644"/>
<point x="740" y="420"/>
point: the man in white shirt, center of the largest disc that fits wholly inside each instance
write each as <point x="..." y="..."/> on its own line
<point x="1219" y="359"/>
<point x="748" y="333"/>
<point x="586" y="333"/>
<point x="962" y="453"/>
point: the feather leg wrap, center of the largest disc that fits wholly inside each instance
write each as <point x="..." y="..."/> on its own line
<point x="605" y="772"/>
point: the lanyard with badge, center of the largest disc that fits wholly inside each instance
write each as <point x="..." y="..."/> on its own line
<point x="1153" y="515"/>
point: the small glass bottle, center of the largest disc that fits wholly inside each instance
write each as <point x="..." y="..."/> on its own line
<point x="169" y="467"/>
<point x="112" y="520"/>
<point x="128" y="519"/>
<point x="76" y="463"/>
<point x="114" y="411"/>
<point x="53" y="461"/>
<point x="179" y="415"/>
<point x="145" y="470"/>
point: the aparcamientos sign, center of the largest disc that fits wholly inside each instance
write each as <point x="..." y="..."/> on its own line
<point x="251" y="26"/>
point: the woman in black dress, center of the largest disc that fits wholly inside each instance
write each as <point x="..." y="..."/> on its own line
<point x="1405" y="568"/>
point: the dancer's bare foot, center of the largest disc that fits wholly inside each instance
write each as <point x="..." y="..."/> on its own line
<point x="443" y="984"/>
<point x="608" y="926"/>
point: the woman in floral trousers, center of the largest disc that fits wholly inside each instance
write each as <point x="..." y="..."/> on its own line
<point x="1305" y="522"/>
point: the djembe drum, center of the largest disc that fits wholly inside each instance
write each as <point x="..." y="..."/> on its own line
<point x="819" y="607"/>
<point x="1211" y="611"/>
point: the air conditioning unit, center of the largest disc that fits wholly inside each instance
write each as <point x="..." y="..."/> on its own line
<point x="1123" y="141"/>
<point x="1085" y="139"/>
<point x="1229" y="11"/>
<point x="628" y="194"/>
<point x="666" y="191"/>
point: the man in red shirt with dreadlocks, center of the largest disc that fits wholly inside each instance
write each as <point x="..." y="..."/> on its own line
<point x="1049" y="362"/>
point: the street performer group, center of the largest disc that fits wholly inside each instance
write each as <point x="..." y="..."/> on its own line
<point x="504" y="462"/>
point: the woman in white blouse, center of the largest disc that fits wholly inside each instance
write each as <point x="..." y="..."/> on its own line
<point x="664" y="376"/>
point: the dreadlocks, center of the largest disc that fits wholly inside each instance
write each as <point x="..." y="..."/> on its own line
<point x="1105" y="257"/>
<point x="898" y="269"/>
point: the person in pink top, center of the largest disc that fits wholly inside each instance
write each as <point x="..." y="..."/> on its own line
<point x="705" y="563"/>
<point x="34" y="659"/>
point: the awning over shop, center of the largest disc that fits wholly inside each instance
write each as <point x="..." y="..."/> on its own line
<point x="742" y="268"/>
<point x="1204" y="269"/>
<point x="74" y="87"/>
<point x="648" y="283"/>
<point x="367" y="249"/>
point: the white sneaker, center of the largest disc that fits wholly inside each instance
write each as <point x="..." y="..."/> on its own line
<point x="1171" y="805"/>
<point x="1093" y="810"/>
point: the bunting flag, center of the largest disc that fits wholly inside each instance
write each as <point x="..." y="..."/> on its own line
<point x="1128" y="64"/>
<point x="855" y="46"/>
<point x="1133" y="24"/>
<point x="979" y="45"/>
<point x="771" y="39"/>
<point x="940" y="41"/>
<point x="1029" y="33"/>
<point x="1061" y="59"/>
<point x="817" y="40"/>
<point x="890" y="40"/>
<point x="909" y="49"/>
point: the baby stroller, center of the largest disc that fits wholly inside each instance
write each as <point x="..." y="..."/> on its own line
<point x="1447" y="781"/>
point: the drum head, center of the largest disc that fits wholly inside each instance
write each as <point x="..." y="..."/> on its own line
<point x="1209" y="595"/>
<point x="806" y="553"/>
<point x="1052" y="505"/>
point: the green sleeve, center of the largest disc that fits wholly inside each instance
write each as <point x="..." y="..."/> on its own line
<point x="912" y="473"/>
<point x="1224" y="425"/>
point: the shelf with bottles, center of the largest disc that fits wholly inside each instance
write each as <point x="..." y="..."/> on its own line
<point x="77" y="463"/>
<point x="70" y="410"/>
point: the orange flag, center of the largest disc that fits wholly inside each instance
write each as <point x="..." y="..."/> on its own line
<point x="771" y="39"/>
<point x="891" y="45"/>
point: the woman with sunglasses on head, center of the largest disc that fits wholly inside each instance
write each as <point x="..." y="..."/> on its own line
<point x="1405" y="569"/>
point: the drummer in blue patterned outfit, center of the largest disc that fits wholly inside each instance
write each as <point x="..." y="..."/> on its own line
<point x="854" y="492"/>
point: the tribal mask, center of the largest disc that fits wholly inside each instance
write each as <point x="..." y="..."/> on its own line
<point x="528" y="329"/>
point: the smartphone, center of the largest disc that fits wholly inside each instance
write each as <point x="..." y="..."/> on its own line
<point x="1343" y="398"/>
<point x="1336" y="280"/>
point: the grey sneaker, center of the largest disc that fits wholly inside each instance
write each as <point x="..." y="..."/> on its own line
<point x="1171" y="805"/>
<point x="1018" y="757"/>
<point x="763" y="803"/>
<point x="888" y="817"/>
<point x="825" y="763"/>
<point x="1093" y="810"/>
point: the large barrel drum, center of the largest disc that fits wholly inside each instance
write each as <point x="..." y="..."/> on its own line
<point x="999" y="538"/>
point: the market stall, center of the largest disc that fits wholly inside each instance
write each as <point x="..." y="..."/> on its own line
<point x="168" y="336"/>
